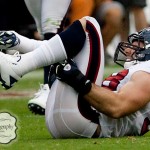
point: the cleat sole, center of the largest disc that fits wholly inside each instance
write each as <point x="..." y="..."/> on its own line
<point x="36" y="109"/>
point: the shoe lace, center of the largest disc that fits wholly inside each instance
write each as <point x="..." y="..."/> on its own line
<point x="16" y="53"/>
<point x="9" y="57"/>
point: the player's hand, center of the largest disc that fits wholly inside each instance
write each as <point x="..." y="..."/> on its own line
<point x="8" y="39"/>
<point x="70" y="74"/>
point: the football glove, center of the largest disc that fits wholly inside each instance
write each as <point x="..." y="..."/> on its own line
<point x="70" y="74"/>
<point x="8" y="39"/>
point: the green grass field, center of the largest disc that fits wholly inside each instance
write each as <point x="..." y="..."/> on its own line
<point x="33" y="134"/>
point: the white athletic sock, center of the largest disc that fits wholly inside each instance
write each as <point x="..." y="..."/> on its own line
<point x="48" y="53"/>
<point x="26" y="45"/>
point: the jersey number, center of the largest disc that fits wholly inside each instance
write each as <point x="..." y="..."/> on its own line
<point x="113" y="81"/>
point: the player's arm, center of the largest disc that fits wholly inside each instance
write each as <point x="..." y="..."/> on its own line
<point x="131" y="97"/>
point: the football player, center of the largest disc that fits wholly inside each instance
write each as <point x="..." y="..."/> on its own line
<point x="49" y="16"/>
<point x="79" y="102"/>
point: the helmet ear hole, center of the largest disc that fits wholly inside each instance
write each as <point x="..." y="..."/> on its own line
<point x="133" y="37"/>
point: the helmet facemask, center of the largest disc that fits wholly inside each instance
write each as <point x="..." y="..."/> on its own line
<point x="141" y="53"/>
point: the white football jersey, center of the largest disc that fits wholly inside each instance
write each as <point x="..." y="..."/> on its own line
<point x="137" y="123"/>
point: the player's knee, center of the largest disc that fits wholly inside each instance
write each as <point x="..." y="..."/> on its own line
<point x="83" y="22"/>
<point x="87" y="18"/>
<point x="73" y="39"/>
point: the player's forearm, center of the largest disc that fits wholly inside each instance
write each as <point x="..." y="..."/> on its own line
<point x="105" y="101"/>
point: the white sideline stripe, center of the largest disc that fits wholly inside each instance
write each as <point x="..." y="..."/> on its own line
<point x="16" y="95"/>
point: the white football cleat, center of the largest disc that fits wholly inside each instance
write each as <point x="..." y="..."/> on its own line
<point x="38" y="104"/>
<point x="9" y="69"/>
<point x="8" y="39"/>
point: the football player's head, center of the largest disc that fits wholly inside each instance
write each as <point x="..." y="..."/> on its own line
<point x="135" y="50"/>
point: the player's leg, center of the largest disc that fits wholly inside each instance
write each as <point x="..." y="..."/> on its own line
<point x="11" y="40"/>
<point x="109" y="15"/>
<point x="53" y="13"/>
<point x="34" y="8"/>
<point x="52" y="20"/>
<point x="65" y="45"/>
<point x="51" y="23"/>
<point x="38" y="102"/>
<point x="65" y="109"/>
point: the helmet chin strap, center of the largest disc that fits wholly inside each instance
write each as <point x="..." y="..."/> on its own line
<point x="130" y="63"/>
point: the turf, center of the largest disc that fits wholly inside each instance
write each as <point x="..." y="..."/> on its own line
<point x="32" y="132"/>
